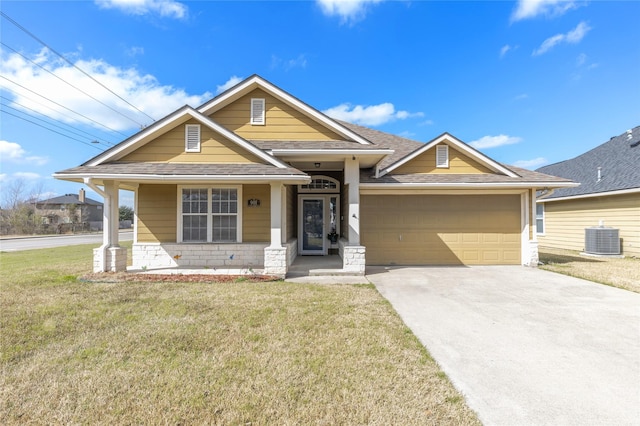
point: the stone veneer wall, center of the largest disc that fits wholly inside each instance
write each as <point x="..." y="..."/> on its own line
<point x="116" y="259"/>
<point x="171" y="255"/>
<point x="353" y="257"/>
<point x="278" y="259"/>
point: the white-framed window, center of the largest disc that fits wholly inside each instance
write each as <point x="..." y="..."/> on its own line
<point x="442" y="156"/>
<point x="192" y="138"/>
<point x="210" y="214"/>
<point x="257" y="111"/>
<point x="540" y="218"/>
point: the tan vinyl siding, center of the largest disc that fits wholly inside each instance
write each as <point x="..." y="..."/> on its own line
<point x="170" y="147"/>
<point x="157" y="213"/>
<point x="425" y="163"/>
<point x="565" y="221"/>
<point x="256" y="221"/>
<point x="441" y="229"/>
<point x="282" y="122"/>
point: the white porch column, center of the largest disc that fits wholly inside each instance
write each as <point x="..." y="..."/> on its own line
<point x="275" y="255"/>
<point x="111" y="213"/>
<point x="110" y="257"/>
<point x="276" y="214"/>
<point x="529" y="245"/>
<point x="352" y="178"/>
<point x="283" y="215"/>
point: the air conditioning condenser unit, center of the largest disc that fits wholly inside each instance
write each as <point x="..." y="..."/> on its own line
<point x="602" y="240"/>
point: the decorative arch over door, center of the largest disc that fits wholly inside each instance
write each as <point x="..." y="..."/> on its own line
<point x="321" y="184"/>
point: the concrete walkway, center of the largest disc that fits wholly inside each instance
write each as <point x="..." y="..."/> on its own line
<point x="525" y="346"/>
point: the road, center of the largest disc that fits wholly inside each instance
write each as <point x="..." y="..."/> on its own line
<point x="30" y="243"/>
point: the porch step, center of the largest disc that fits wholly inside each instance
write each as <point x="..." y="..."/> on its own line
<point x="329" y="272"/>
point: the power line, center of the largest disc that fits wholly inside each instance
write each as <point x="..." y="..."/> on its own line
<point x="51" y="130"/>
<point x="62" y="106"/>
<point x="66" y="82"/>
<point x="49" y="123"/>
<point x="8" y="18"/>
<point x="48" y="107"/>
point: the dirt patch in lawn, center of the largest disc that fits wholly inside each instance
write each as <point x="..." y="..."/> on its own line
<point x="622" y="273"/>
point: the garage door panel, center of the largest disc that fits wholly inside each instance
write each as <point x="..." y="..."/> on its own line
<point x="441" y="229"/>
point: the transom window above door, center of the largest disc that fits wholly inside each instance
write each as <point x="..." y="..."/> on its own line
<point x="320" y="184"/>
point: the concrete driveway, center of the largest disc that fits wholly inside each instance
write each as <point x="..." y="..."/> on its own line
<point x="525" y="346"/>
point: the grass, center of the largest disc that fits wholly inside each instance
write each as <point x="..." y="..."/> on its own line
<point x="207" y="353"/>
<point x="622" y="273"/>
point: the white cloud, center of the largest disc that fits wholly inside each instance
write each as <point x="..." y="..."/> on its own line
<point x="233" y="80"/>
<point x="164" y="8"/>
<point x="531" y="164"/>
<point x="142" y="90"/>
<point x="13" y="152"/>
<point x="494" y="141"/>
<point x="134" y="51"/>
<point x="349" y="11"/>
<point x="521" y="97"/>
<point x="3" y="177"/>
<point x="287" y="64"/>
<point x="372" y="115"/>
<point x="581" y="59"/>
<point x="26" y="175"/>
<point x="506" y="48"/>
<point x="527" y="9"/>
<point x="574" y="36"/>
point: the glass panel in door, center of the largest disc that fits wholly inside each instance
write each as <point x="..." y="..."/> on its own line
<point x="313" y="225"/>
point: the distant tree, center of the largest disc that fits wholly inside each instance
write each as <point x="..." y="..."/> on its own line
<point x="18" y="215"/>
<point x="126" y="213"/>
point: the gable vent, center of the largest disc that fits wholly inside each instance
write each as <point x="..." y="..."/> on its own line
<point x="257" y="111"/>
<point x="442" y="156"/>
<point x="192" y="138"/>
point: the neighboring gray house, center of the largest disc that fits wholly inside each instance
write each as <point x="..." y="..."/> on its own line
<point x="609" y="194"/>
<point x="71" y="208"/>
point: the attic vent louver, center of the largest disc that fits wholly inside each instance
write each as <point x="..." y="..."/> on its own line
<point x="442" y="156"/>
<point x="257" y="111"/>
<point x="192" y="138"/>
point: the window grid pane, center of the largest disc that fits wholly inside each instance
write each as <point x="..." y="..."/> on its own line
<point x="224" y="211"/>
<point x="225" y="228"/>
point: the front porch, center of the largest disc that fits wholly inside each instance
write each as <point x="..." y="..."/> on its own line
<point x="244" y="258"/>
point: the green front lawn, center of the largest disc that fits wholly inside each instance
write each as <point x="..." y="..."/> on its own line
<point x="207" y="353"/>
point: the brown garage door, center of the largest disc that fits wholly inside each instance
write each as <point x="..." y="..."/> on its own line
<point x="441" y="229"/>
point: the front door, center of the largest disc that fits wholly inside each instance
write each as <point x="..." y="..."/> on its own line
<point x="312" y="225"/>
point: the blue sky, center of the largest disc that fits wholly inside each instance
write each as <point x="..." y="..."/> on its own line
<point x="527" y="82"/>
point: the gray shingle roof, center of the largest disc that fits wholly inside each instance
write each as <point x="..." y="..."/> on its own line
<point x="619" y="160"/>
<point x="312" y="145"/>
<point x="70" y="199"/>
<point x="176" y="169"/>
<point x="525" y="176"/>
<point x="402" y="146"/>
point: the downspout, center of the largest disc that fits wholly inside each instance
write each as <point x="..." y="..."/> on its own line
<point x="105" y="241"/>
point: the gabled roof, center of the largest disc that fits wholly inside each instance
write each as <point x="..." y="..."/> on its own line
<point x="619" y="163"/>
<point x="457" y="144"/>
<point x="401" y="146"/>
<point x="69" y="199"/>
<point x="255" y="82"/>
<point x="159" y="127"/>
